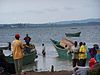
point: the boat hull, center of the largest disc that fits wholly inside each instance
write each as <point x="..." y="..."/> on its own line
<point x="73" y="34"/>
<point x="27" y="59"/>
<point x="62" y="52"/>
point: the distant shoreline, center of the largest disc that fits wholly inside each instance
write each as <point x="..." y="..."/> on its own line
<point x="21" y="25"/>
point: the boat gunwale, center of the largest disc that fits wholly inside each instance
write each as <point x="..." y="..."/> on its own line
<point x="73" y="33"/>
<point x="23" y="55"/>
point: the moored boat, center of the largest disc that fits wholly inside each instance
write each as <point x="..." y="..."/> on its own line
<point x="27" y="59"/>
<point x="73" y="34"/>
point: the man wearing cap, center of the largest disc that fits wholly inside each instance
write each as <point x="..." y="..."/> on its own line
<point x="17" y="51"/>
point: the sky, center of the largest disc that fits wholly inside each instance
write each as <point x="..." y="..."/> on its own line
<point x="47" y="11"/>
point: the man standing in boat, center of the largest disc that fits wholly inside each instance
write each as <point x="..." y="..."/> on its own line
<point x="17" y="51"/>
<point x="27" y="40"/>
<point x="27" y="46"/>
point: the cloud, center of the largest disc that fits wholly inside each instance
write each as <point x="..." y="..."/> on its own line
<point x="68" y="8"/>
<point x="47" y="10"/>
<point x="22" y="12"/>
<point x="34" y="11"/>
<point x="52" y="9"/>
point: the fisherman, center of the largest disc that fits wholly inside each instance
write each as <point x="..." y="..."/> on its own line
<point x="82" y="55"/>
<point x="93" y="52"/>
<point x="27" y="40"/>
<point x="74" y="52"/>
<point x="17" y="51"/>
<point x="27" y="46"/>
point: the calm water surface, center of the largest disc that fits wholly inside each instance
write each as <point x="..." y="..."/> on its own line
<point x="89" y="34"/>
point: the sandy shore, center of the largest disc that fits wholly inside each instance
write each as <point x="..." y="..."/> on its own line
<point x="48" y="73"/>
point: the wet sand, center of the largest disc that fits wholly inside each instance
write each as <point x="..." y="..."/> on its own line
<point x="47" y="73"/>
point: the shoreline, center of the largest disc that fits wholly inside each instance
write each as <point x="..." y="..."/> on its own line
<point x="63" y="72"/>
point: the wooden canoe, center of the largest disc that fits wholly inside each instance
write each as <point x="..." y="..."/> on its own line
<point x="28" y="58"/>
<point x="77" y="34"/>
<point x="62" y="52"/>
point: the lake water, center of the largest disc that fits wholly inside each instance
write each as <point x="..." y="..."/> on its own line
<point x="89" y="34"/>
